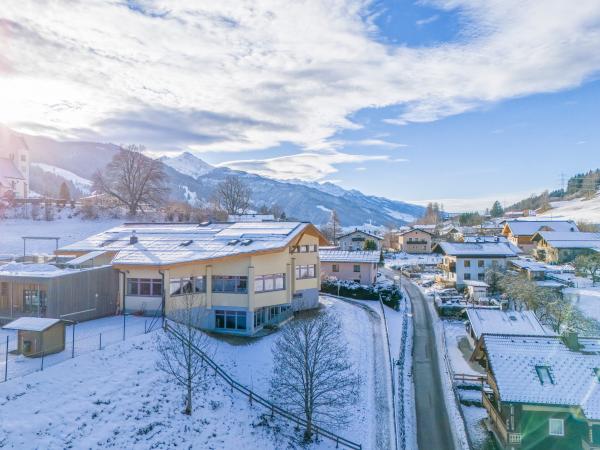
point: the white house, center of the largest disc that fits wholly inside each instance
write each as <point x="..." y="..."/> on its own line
<point x="357" y="239"/>
<point x="14" y="164"/>
<point x="470" y="261"/>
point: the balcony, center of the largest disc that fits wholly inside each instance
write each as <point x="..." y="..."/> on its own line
<point x="498" y="425"/>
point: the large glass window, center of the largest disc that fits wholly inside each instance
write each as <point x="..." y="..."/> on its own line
<point x="267" y="283"/>
<point x="149" y="287"/>
<point x="556" y="427"/>
<point x="34" y="301"/>
<point x="182" y="286"/>
<point x="234" y="284"/>
<point x="307" y="271"/>
<point x="230" y="320"/>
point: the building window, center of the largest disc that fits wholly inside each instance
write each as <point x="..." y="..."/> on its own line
<point x="481" y="276"/>
<point x="308" y="271"/>
<point x="481" y="263"/>
<point x="230" y="320"/>
<point x="182" y="286"/>
<point x="467" y="263"/>
<point x="234" y="284"/>
<point x="544" y="374"/>
<point x="556" y="427"/>
<point x="147" y="287"/>
<point x="467" y="276"/>
<point x="335" y="267"/>
<point x="304" y="248"/>
<point x="268" y="283"/>
<point x="34" y="301"/>
<point x="356" y="267"/>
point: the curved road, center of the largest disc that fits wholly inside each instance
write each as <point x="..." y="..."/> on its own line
<point x="433" y="426"/>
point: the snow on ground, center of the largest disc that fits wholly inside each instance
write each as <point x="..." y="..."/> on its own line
<point x="69" y="230"/>
<point x="576" y="209"/>
<point x="459" y="348"/>
<point x="323" y="208"/>
<point x="83" y="184"/>
<point x="475" y="419"/>
<point x="586" y="299"/>
<point x="115" y="397"/>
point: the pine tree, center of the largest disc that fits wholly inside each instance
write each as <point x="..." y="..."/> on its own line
<point x="497" y="210"/>
<point x="64" y="192"/>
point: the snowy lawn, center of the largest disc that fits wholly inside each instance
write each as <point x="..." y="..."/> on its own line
<point x="116" y="398"/>
<point x="87" y="339"/>
<point x="586" y="299"/>
<point x="481" y="438"/>
<point x="69" y="231"/>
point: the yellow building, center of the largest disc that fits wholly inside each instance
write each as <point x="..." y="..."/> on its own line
<point x="239" y="276"/>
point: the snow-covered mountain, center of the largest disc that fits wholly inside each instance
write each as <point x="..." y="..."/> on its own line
<point x="587" y="210"/>
<point x="187" y="164"/>
<point x="194" y="181"/>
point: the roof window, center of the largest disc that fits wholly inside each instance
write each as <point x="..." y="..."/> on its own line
<point x="246" y="241"/>
<point x="544" y="374"/>
<point x="233" y="242"/>
<point x="186" y="243"/>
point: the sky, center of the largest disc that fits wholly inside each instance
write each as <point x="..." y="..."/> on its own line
<point x="457" y="101"/>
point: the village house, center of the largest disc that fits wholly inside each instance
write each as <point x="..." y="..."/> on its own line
<point x="239" y="276"/>
<point x="470" y="261"/>
<point x="557" y="247"/>
<point x="79" y="292"/>
<point x="14" y="165"/>
<point x="415" y="240"/>
<point x="357" y="266"/>
<point x="521" y="232"/>
<point x="544" y="391"/>
<point x="357" y="240"/>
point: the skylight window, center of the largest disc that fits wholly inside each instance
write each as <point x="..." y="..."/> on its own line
<point x="597" y="372"/>
<point x="544" y="374"/>
<point x="186" y="243"/>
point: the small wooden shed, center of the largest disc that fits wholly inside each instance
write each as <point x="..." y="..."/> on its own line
<point x="38" y="335"/>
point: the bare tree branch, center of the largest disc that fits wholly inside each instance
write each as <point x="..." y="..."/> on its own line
<point x="234" y="195"/>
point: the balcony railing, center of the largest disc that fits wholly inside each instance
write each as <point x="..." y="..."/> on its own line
<point x="496" y="419"/>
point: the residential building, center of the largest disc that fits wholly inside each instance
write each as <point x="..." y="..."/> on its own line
<point x="357" y="239"/>
<point x="520" y="232"/>
<point x="14" y="164"/>
<point x="415" y="240"/>
<point x="358" y="266"/>
<point x="560" y="247"/>
<point x="47" y="291"/>
<point x="239" y="276"/>
<point x="470" y="261"/>
<point x="544" y="391"/>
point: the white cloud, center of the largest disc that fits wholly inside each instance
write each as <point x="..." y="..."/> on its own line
<point x="241" y="75"/>
<point x="305" y="166"/>
<point x="427" y="20"/>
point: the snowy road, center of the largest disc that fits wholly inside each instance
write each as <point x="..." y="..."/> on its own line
<point x="433" y="425"/>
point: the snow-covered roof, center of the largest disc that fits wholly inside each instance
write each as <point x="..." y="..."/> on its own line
<point x="530" y="227"/>
<point x="32" y="270"/>
<point x="502" y="239"/>
<point x="360" y="232"/>
<point x="476" y="283"/>
<point x="428" y="231"/>
<point x="562" y="239"/>
<point x="537" y="266"/>
<point x="250" y="217"/>
<point x="495" y="321"/>
<point x="491" y="249"/>
<point x="516" y="362"/>
<point x="86" y="257"/>
<point x="9" y="170"/>
<point x="31" y="324"/>
<point x="347" y="256"/>
<point x="160" y="244"/>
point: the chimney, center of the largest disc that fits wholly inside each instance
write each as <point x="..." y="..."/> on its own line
<point x="133" y="239"/>
<point x="571" y="340"/>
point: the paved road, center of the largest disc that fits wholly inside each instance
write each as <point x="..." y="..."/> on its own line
<point x="433" y="426"/>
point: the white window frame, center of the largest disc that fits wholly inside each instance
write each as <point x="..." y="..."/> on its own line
<point x="560" y="423"/>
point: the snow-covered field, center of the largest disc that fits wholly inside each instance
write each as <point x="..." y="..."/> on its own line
<point x="576" y="209"/>
<point x="69" y="231"/>
<point x="115" y="398"/>
<point x="586" y="299"/>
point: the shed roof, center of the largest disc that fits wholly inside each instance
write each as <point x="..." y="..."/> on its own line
<point x="347" y="256"/>
<point x="31" y="324"/>
<point x="495" y="321"/>
<point x="515" y="362"/>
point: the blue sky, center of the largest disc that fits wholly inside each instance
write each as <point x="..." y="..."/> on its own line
<point x="458" y="101"/>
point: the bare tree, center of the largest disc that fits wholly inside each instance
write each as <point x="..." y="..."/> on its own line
<point x="312" y="375"/>
<point x="133" y="179"/>
<point x="332" y="228"/>
<point x="589" y="266"/>
<point x="178" y="357"/>
<point x="234" y="195"/>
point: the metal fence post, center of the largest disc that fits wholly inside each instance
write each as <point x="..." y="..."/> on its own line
<point x="42" y="361"/>
<point x="124" y="325"/>
<point x="73" y="343"/>
<point x="6" y="361"/>
<point x="145" y="328"/>
<point x="100" y="347"/>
